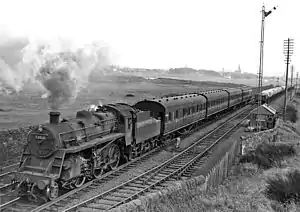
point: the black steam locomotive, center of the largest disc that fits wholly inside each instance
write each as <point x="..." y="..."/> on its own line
<point x="65" y="154"/>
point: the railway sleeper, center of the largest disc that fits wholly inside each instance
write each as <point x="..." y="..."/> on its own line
<point x="163" y="174"/>
<point x="106" y="201"/>
<point x="85" y="209"/>
<point x="120" y="195"/>
<point x="181" y="162"/>
<point x="141" y="182"/>
<point x="114" y="198"/>
<point x="174" y="167"/>
<point x="157" y="178"/>
<point x="151" y="181"/>
<point x="134" y="186"/>
<point x="99" y="206"/>
<point x="124" y="191"/>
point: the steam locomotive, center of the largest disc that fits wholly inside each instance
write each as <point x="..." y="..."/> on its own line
<point x="65" y="154"/>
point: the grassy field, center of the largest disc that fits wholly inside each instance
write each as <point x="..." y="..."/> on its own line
<point x="29" y="108"/>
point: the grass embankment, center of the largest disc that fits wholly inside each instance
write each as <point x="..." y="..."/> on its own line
<point x="267" y="179"/>
<point x="11" y="143"/>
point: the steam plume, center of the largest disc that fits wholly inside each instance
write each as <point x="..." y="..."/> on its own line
<point x="59" y="67"/>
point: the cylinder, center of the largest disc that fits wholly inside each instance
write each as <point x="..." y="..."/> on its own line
<point x="54" y="117"/>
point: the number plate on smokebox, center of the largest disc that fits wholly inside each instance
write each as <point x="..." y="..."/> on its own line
<point x="40" y="136"/>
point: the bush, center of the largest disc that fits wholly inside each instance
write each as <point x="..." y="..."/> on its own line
<point x="284" y="189"/>
<point x="267" y="155"/>
<point x="291" y="113"/>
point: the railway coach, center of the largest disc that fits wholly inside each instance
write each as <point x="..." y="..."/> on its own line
<point x="179" y="114"/>
<point x="176" y="112"/>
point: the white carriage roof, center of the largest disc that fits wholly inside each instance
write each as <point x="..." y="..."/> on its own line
<point x="269" y="108"/>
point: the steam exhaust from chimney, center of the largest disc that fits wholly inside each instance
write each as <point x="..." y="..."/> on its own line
<point x="54" y="117"/>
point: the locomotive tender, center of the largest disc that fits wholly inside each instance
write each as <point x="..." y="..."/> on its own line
<point x="64" y="155"/>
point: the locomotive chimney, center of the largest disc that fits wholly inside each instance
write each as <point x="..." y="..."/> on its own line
<point x="54" y="117"/>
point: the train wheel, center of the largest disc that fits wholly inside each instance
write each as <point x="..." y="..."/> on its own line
<point x="114" y="156"/>
<point x="79" y="181"/>
<point x="98" y="173"/>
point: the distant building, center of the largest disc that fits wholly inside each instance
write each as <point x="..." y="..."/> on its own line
<point x="239" y="70"/>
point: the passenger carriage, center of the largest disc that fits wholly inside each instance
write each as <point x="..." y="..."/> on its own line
<point x="176" y="112"/>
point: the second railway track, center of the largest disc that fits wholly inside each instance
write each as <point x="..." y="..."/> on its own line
<point x="158" y="177"/>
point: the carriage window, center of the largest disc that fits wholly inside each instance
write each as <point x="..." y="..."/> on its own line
<point x="197" y="109"/>
<point x="170" y="116"/>
<point x="176" y="114"/>
<point x="184" y="112"/>
<point x="193" y="109"/>
<point x="167" y="118"/>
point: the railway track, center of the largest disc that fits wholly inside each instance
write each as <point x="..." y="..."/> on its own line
<point x="9" y="162"/>
<point x="5" y="180"/>
<point x="17" y="204"/>
<point x="6" y="194"/>
<point x="158" y="177"/>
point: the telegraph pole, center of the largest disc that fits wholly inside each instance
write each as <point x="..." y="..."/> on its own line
<point x="261" y="58"/>
<point x="296" y="88"/>
<point x="292" y="75"/>
<point x="288" y="51"/>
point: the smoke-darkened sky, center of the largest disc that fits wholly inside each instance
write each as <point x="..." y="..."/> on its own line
<point x="205" y="34"/>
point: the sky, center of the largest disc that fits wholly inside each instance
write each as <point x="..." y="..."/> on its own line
<point x="200" y="34"/>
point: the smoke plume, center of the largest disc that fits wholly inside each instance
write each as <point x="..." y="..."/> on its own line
<point x="59" y="67"/>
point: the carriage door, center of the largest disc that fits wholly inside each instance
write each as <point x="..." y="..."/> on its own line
<point x="162" y="123"/>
